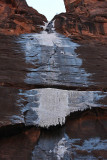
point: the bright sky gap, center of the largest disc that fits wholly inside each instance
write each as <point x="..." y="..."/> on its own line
<point x="49" y="8"/>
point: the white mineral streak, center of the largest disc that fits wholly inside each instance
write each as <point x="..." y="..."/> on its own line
<point x="55" y="105"/>
<point x="69" y="146"/>
<point x="48" y="39"/>
<point x="61" y="149"/>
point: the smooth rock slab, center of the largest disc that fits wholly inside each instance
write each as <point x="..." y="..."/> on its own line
<point x="9" y="107"/>
<point x="94" y="58"/>
<point x="12" y="63"/>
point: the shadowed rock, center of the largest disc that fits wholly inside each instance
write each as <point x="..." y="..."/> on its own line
<point x="82" y="137"/>
<point x="9" y="107"/>
<point x="19" y="146"/>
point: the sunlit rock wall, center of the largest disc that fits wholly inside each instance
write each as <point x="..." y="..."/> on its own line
<point x="17" y="17"/>
<point x="84" y="19"/>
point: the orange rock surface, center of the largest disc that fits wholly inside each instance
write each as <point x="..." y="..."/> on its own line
<point x="84" y="19"/>
<point x="17" y="17"/>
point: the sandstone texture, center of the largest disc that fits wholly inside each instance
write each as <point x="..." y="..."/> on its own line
<point x="84" y="19"/>
<point x="16" y="17"/>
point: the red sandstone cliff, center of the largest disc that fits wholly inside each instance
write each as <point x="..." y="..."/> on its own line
<point x="17" y="17"/>
<point x="84" y="19"/>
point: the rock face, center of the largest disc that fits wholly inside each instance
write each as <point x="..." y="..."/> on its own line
<point x="17" y="17"/>
<point x="83" y="19"/>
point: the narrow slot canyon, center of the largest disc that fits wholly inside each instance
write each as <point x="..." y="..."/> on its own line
<point x="53" y="80"/>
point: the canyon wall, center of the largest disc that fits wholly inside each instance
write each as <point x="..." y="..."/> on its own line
<point x="84" y="19"/>
<point x="17" y="17"/>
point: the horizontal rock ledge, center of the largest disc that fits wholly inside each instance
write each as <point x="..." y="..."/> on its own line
<point x="87" y="115"/>
<point x="64" y="87"/>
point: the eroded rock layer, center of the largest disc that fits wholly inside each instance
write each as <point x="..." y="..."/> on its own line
<point x="17" y="17"/>
<point x="83" y="19"/>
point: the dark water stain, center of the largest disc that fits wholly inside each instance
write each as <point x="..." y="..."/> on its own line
<point x="94" y="58"/>
<point x="19" y="146"/>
